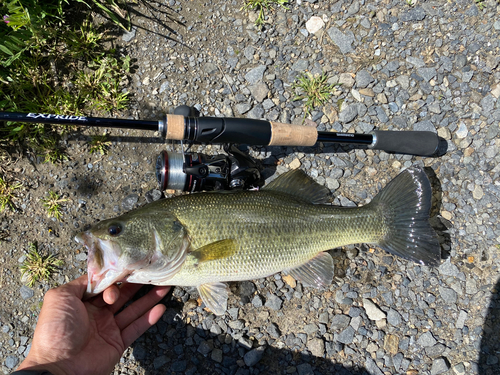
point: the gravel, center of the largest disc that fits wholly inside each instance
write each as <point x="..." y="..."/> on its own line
<point x="428" y="67"/>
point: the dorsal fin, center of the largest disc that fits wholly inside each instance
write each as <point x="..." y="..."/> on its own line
<point x="300" y="185"/>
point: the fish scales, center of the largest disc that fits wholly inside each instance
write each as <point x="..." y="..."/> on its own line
<point x="274" y="232"/>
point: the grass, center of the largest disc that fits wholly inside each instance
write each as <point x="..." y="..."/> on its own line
<point x="7" y="194"/>
<point x="100" y="144"/>
<point x="315" y="90"/>
<point x="53" y="59"/>
<point x="36" y="267"/>
<point x="53" y="205"/>
<point x="261" y="6"/>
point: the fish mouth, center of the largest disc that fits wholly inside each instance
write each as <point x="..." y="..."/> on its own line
<point x="103" y="266"/>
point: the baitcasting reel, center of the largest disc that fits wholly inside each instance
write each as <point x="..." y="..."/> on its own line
<point x="196" y="172"/>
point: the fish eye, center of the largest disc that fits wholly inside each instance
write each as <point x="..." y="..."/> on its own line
<point x="114" y="229"/>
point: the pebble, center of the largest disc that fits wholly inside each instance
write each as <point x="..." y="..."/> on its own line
<point x="254" y="356"/>
<point x="373" y="312"/>
<point x="314" y="24"/>
<point x="426" y="339"/>
<point x="439" y="366"/>
<point x="255" y="75"/>
<point x="342" y="40"/>
<point x="26" y="293"/>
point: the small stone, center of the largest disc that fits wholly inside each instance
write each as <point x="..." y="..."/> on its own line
<point x="439" y="366"/>
<point x="448" y="295"/>
<point x="448" y="269"/>
<point x="340" y="322"/>
<point x="130" y="201"/>
<point x="373" y="312"/>
<point x="435" y="351"/>
<point x="394" y="318"/>
<point x="363" y="79"/>
<point x="161" y="361"/>
<point x="459" y="369"/>
<point x="288" y="278"/>
<point x="391" y="344"/>
<point x="426" y="339"/>
<point x="342" y="40"/>
<point x="257" y="301"/>
<point x="478" y="192"/>
<point x="346" y="336"/>
<point x="255" y="75"/>
<point x="294" y="165"/>
<point x="129" y="35"/>
<point x="305" y="369"/>
<point x="210" y="68"/>
<point x="26" y="292"/>
<point x="205" y="347"/>
<point x="462" y="131"/>
<point x="11" y="361"/>
<point x="254" y="356"/>
<point x="179" y="366"/>
<point x="314" y="24"/>
<point x="371" y="367"/>
<point x="367" y="92"/>
<point x="273" y="302"/>
<point x="414" y="14"/>
<point x="316" y="347"/>
<point x="462" y="317"/>
<point x="259" y="91"/>
<point x="346" y="80"/>
<point x="242" y="108"/>
<point x="349" y="113"/>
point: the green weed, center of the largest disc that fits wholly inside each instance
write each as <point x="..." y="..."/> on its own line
<point x="53" y="205"/>
<point x="480" y="4"/>
<point x="100" y="144"/>
<point x="7" y="194"/>
<point x="261" y="6"/>
<point x="113" y="11"/>
<point x="315" y="90"/>
<point x="51" y="65"/>
<point x="36" y="267"/>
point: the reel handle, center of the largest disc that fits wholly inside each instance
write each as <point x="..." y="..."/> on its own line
<point x="421" y="143"/>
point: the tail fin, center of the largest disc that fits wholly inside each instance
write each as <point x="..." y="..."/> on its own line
<point x="405" y="204"/>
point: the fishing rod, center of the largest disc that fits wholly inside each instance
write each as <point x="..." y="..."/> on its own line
<point x="195" y="172"/>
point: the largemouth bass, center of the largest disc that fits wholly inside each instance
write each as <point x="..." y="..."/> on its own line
<point x="206" y="239"/>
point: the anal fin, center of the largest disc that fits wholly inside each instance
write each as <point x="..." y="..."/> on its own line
<point x="214" y="295"/>
<point x="317" y="272"/>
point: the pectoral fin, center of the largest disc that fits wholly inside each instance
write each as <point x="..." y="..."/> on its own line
<point x="317" y="272"/>
<point x="214" y="295"/>
<point x="215" y="250"/>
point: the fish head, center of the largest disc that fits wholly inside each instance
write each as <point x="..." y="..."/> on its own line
<point x="131" y="243"/>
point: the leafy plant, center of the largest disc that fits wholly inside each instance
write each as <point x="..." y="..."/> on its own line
<point x="7" y="194"/>
<point x="53" y="205"/>
<point x="315" y="90"/>
<point x="100" y="144"/>
<point x="480" y="4"/>
<point x="37" y="267"/>
<point x="261" y="6"/>
<point x="113" y="11"/>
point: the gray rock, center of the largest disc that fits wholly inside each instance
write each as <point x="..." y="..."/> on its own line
<point x="317" y="347"/>
<point x="394" y="318"/>
<point x="26" y="292"/>
<point x="439" y="366"/>
<point x="340" y="322"/>
<point x="273" y="330"/>
<point x="448" y="295"/>
<point x="427" y="73"/>
<point x="242" y="108"/>
<point x="205" y="347"/>
<point x="462" y="317"/>
<point x="305" y="369"/>
<point x="300" y="65"/>
<point x="160" y="361"/>
<point x="255" y="75"/>
<point x="426" y="339"/>
<point x="180" y="366"/>
<point x="153" y="195"/>
<point x="273" y="302"/>
<point x="343" y="41"/>
<point x="435" y="351"/>
<point x="11" y="361"/>
<point x="372" y="310"/>
<point x="346" y="336"/>
<point x="349" y="113"/>
<point x="217" y="355"/>
<point x="210" y="68"/>
<point x="424" y="125"/>
<point x="129" y="35"/>
<point x="130" y="201"/>
<point x="248" y="52"/>
<point x="419" y="63"/>
<point x="448" y="269"/>
<point x="256" y="112"/>
<point x="414" y="14"/>
<point x="257" y="301"/>
<point x="372" y="367"/>
<point x="254" y="356"/>
<point x="363" y="78"/>
<point x="259" y="91"/>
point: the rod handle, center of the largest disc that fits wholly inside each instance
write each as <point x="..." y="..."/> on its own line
<point x="421" y="143"/>
<point x="292" y="135"/>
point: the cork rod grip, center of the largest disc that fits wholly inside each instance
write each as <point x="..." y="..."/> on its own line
<point x="175" y="127"/>
<point x="292" y="135"/>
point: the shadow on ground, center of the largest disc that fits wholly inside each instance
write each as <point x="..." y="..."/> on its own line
<point x="174" y="347"/>
<point x="490" y="342"/>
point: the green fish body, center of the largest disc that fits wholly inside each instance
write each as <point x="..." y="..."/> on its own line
<point x="206" y="239"/>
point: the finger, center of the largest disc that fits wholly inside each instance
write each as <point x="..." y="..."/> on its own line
<point x="126" y="292"/>
<point x="141" y="325"/>
<point x="111" y="294"/>
<point x="139" y="307"/>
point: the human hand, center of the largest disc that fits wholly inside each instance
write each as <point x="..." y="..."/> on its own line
<point x="76" y="337"/>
